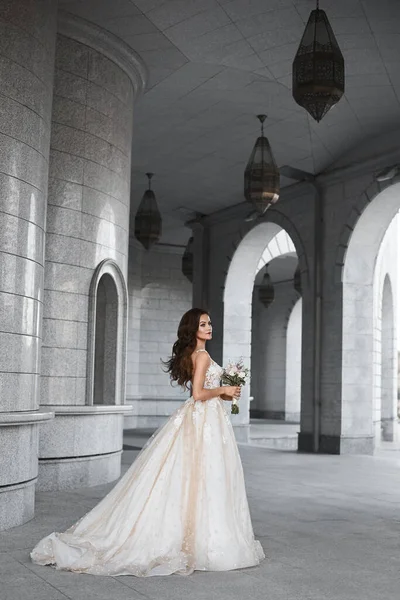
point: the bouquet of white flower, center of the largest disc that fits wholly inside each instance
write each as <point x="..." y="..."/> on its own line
<point x="235" y="374"/>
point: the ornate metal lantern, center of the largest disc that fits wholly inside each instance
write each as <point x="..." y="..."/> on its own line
<point x="318" y="67"/>
<point x="148" y="223"/>
<point x="297" y="280"/>
<point x="266" y="292"/>
<point x="261" y="177"/>
<point x="187" y="261"/>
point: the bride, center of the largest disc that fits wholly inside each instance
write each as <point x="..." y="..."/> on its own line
<point x="182" y="504"/>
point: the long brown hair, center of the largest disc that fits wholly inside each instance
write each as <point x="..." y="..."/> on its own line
<point x="180" y="366"/>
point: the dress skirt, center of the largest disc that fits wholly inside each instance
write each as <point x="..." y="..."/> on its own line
<point x="180" y="507"/>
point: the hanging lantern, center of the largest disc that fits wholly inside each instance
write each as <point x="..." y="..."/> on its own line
<point x="261" y="177"/>
<point x="318" y="67"/>
<point x="266" y="293"/>
<point x="187" y="261"/>
<point x="148" y="223"/>
<point x="297" y="280"/>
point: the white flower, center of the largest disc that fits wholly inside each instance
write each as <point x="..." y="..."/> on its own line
<point x="242" y="374"/>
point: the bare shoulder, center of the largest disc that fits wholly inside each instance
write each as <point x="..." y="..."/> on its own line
<point x="201" y="359"/>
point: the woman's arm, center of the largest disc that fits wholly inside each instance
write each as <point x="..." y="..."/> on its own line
<point x="199" y="393"/>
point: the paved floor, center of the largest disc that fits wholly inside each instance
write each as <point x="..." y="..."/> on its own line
<point x="330" y="527"/>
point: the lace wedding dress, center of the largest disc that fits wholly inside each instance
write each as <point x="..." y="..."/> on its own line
<point x="180" y="507"/>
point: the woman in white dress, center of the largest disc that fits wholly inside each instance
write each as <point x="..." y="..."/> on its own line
<point x="182" y="504"/>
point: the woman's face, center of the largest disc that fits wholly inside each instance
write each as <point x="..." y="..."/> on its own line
<point x="204" y="331"/>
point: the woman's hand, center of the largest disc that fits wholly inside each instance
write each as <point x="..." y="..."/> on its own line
<point x="231" y="392"/>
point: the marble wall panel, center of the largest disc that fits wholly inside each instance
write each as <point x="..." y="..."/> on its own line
<point x="19" y="160"/>
<point x="21" y="238"/>
<point x="13" y="199"/>
<point x="19" y="391"/>
<point x="63" y="277"/>
<point x="22" y="354"/>
<point x="17" y="467"/>
<point x="70" y="86"/>
<point x="20" y="315"/>
<point x="65" y="194"/>
<point x="53" y="387"/>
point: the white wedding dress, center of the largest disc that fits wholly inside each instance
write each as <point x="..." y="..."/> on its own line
<point x="180" y="507"/>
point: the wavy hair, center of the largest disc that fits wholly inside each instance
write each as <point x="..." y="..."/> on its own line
<point x="180" y="366"/>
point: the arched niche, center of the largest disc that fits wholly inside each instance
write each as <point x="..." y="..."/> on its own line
<point x="107" y="336"/>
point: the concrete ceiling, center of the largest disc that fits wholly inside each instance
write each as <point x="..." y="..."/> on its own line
<point x="215" y="64"/>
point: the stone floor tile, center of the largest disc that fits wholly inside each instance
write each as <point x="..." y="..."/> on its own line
<point x="329" y="525"/>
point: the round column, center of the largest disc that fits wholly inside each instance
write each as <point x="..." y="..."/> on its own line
<point x="97" y="78"/>
<point x="27" y="40"/>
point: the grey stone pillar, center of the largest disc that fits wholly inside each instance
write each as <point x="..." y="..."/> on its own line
<point x="27" y="39"/>
<point x="96" y="80"/>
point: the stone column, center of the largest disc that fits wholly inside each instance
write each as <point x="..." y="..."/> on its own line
<point x="27" y="39"/>
<point x="97" y="78"/>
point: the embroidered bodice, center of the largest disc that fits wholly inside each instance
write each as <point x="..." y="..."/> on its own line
<point x="213" y="374"/>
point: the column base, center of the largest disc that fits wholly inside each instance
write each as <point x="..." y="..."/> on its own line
<point x="81" y="448"/>
<point x="75" y="473"/>
<point x="332" y="444"/>
<point x="19" y="435"/>
<point x="17" y="504"/>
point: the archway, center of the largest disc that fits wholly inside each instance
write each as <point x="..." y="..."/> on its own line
<point x="260" y="246"/>
<point x="107" y="336"/>
<point x="270" y="316"/>
<point x="366" y="259"/>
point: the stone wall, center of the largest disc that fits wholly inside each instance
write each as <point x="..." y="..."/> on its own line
<point x="159" y="294"/>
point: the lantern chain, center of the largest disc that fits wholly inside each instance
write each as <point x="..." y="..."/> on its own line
<point x="149" y="177"/>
